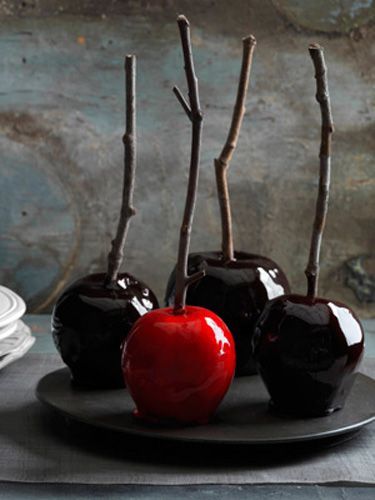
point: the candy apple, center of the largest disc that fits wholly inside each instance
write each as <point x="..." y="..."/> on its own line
<point x="178" y="362"/>
<point x="90" y="322"/>
<point x="236" y="285"/>
<point x="237" y="291"/>
<point x="179" y="366"/>
<point x="94" y="314"/>
<point x="308" y="348"/>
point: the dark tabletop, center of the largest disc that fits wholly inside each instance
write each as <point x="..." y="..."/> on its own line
<point x="40" y="326"/>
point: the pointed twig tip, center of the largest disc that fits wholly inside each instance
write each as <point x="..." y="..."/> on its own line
<point x="181" y="19"/>
<point x="129" y="61"/>
<point x="185" y="105"/>
<point x="315" y="46"/>
<point x="250" y="40"/>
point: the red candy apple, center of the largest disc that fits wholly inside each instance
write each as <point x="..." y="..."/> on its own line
<point x="177" y="367"/>
<point x="308" y="348"/>
<point x="178" y="362"/>
<point x="236" y="285"/>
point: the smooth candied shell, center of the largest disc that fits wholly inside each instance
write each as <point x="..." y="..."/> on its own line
<point x="308" y="352"/>
<point x="237" y="292"/>
<point x="178" y="367"/>
<point x="90" y="322"/>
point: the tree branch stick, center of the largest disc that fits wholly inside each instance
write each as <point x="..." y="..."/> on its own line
<point x="182" y="278"/>
<point x="222" y="162"/>
<point x="181" y="99"/>
<point x="116" y="254"/>
<point x="322" y="96"/>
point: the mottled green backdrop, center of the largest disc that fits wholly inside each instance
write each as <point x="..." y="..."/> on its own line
<point x="62" y="117"/>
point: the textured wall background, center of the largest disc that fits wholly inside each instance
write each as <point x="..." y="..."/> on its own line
<point x="61" y="121"/>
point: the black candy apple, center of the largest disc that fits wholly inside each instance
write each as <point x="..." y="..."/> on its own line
<point x="93" y="316"/>
<point x="237" y="292"/>
<point x="90" y="322"/>
<point x="236" y="285"/>
<point x="308" y="348"/>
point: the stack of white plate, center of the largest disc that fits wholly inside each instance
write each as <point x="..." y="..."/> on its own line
<point x="15" y="336"/>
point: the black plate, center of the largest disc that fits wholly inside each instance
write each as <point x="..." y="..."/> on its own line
<point x="242" y="419"/>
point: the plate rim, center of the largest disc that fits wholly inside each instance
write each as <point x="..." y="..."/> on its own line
<point x="8" y="330"/>
<point x="154" y="433"/>
<point x="17" y="310"/>
<point x="21" y="328"/>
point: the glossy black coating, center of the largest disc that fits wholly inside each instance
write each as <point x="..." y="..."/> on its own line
<point x="90" y="322"/>
<point x="237" y="292"/>
<point x="308" y="352"/>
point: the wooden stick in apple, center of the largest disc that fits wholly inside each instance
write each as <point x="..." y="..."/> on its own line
<point x="194" y="113"/>
<point x="222" y="162"/>
<point x="308" y="348"/>
<point x="116" y="255"/>
<point x="165" y="347"/>
<point x="94" y="315"/>
<point x="237" y="285"/>
<point x="322" y="96"/>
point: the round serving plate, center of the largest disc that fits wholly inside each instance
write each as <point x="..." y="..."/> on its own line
<point x="12" y="307"/>
<point x="242" y="419"/>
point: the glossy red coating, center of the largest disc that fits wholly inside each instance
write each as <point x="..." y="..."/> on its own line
<point x="178" y="367"/>
<point x="308" y="351"/>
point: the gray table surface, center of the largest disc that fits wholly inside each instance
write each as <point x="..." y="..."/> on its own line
<point x="40" y="325"/>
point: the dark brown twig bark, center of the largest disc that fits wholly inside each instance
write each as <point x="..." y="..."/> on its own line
<point x="116" y="254"/>
<point x="194" y="113"/>
<point x="322" y="96"/>
<point x="222" y="162"/>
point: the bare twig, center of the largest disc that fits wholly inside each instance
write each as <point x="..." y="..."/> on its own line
<point x="222" y="162"/>
<point x="194" y="114"/>
<point x="116" y="254"/>
<point x="322" y="96"/>
<point x="182" y="101"/>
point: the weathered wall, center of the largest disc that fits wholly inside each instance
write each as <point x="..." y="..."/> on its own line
<point x="61" y="121"/>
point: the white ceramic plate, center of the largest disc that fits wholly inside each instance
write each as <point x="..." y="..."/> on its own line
<point x="12" y="307"/>
<point x="16" y="345"/>
<point x="16" y="340"/>
<point x="7" y="330"/>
